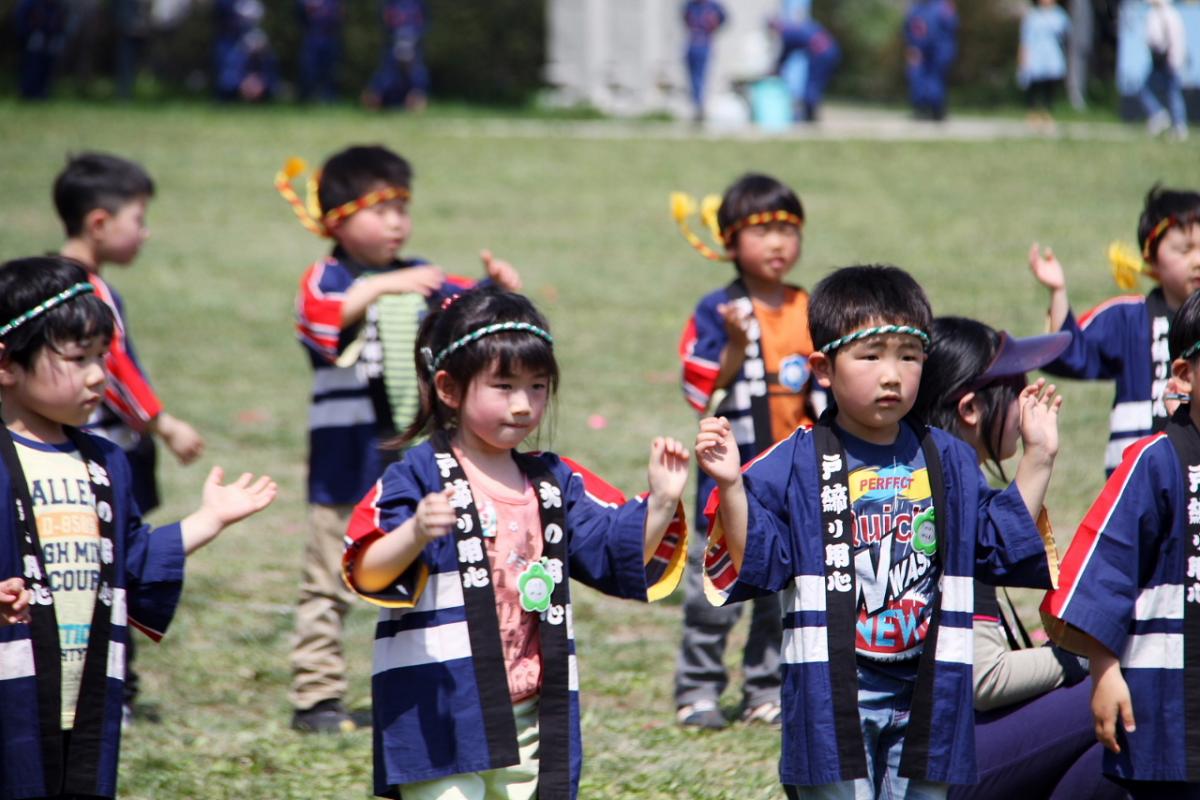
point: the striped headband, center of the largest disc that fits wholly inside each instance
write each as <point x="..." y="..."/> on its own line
<point x="433" y="362"/>
<point x="876" y="331"/>
<point x="45" y="305"/>
<point x="1156" y="233"/>
<point x="683" y="206"/>
<point x="309" y="213"/>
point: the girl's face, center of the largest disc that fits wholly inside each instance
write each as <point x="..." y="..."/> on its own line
<point x="497" y="412"/>
<point x="1005" y="433"/>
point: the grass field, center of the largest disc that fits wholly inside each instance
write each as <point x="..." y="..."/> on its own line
<point x="210" y="304"/>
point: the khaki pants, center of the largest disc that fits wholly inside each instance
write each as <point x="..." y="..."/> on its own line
<point x="518" y="782"/>
<point x="318" y="665"/>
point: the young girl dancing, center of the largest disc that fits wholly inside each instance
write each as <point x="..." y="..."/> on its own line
<point x="467" y="544"/>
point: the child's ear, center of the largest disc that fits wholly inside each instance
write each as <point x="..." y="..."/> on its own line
<point x="8" y="376"/>
<point x="821" y="365"/>
<point x="968" y="410"/>
<point x="447" y="389"/>
<point x="1181" y="370"/>
<point x="95" y="221"/>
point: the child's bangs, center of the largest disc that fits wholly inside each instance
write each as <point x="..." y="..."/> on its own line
<point x="516" y="351"/>
<point x="82" y="318"/>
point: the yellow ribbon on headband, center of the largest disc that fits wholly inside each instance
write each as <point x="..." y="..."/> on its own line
<point x="683" y="206"/>
<point x="1127" y="264"/>
<point x="310" y="214"/>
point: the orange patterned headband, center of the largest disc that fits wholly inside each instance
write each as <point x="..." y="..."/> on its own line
<point x="1163" y="225"/>
<point x="684" y="206"/>
<point x="310" y="213"/>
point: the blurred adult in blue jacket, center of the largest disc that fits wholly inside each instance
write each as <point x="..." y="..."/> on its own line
<point x="702" y="18"/>
<point x="931" y="40"/>
<point x="824" y="54"/>
<point x="40" y="25"/>
<point x="402" y="77"/>
<point x="320" y="48"/>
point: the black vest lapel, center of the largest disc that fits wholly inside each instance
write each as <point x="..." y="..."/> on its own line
<point x="1186" y="441"/>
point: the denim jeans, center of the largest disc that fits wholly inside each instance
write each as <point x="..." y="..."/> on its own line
<point x="1169" y="80"/>
<point x="883" y="705"/>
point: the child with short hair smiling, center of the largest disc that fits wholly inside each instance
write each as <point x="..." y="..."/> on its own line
<point x="873" y="526"/>
<point x="77" y="566"/>
<point x="467" y="544"/>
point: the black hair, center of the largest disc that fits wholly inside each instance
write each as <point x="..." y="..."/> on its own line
<point x="509" y="350"/>
<point x="1185" y="328"/>
<point x="960" y="350"/>
<point x="97" y="180"/>
<point x="755" y="194"/>
<point x="26" y="282"/>
<point x="351" y="173"/>
<point x="851" y="298"/>
<point x="1161" y="203"/>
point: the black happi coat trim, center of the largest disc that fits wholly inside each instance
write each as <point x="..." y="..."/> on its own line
<point x="1186" y="440"/>
<point x="76" y="772"/>
<point x="554" y="704"/>
<point x="842" y="613"/>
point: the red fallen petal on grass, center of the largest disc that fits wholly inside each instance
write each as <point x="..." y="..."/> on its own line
<point x="252" y="416"/>
<point x="597" y="422"/>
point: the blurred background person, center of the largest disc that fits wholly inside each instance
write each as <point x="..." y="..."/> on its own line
<point x="245" y="65"/>
<point x="40" y="27"/>
<point x="931" y="45"/>
<point x="823" y="55"/>
<point x="402" y="77"/>
<point x="1167" y="41"/>
<point x="320" y="48"/>
<point x="1042" y="58"/>
<point x="702" y="18"/>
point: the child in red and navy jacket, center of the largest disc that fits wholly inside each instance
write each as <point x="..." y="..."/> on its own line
<point x="357" y="315"/>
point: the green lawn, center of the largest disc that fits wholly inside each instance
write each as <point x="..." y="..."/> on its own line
<point x="210" y="305"/>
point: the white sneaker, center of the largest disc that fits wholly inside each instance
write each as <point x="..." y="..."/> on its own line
<point x="1158" y="123"/>
<point x="1180" y="133"/>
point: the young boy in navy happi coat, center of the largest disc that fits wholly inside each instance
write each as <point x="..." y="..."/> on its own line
<point x="745" y="352"/>
<point x="77" y="565"/>
<point x="357" y="314"/>
<point x="1124" y="339"/>
<point x="873" y="526"/>
<point x="1129" y="595"/>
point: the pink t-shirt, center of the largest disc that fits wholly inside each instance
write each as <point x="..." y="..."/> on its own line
<point x="513" y="517"/>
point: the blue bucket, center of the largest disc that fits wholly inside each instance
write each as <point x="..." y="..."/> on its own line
<point x="771" y="104"/>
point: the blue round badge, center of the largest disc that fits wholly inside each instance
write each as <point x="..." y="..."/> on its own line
<point x="793" y="372"/>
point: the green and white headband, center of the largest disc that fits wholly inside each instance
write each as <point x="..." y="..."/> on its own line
<point x="877" y="330"/>
<point x="433" y="362"/>
<point x="44" y="306"/>
<point x="1191" y="351"/>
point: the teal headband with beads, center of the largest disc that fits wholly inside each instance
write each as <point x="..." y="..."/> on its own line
<point x="44" y="306"/>
<point x="433" y="362"/>
<point x="878" y="330"/>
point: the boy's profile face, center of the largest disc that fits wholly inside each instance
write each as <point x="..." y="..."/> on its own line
<point x="874" y="383"/>
<point x="373" y="236"/>
<point x="1176" y="265"/>
<point x="119" y="235"/>
<point x="63" y="385"/>
<point x="767" y="252"/>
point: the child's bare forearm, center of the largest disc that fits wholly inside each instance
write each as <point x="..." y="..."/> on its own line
<point x="1060" y="306"/>
<point x="360" y="296"/>
<point x="383" y="560"/>
<point x="734" y="515"/>
<point x="660" y="511"/>
<point x="1033" y="479"/>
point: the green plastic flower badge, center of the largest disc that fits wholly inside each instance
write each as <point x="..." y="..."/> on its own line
<point x="924" y="538"/>
<point x="535" y="586"/>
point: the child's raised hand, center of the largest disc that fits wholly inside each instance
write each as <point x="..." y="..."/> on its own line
<point x="668" y="471"/>
<point x="1039" y="405"/>
<point x="1111" y="705"/>
<point x="233" y="502"/>
<point x="503" y="273"/>
<point x="423" y="280"/>
<point x="14" y="602"/>
<point x="434" y="517"/>
<point x="717" y="452"/>
<point x="737" y="324"/>
<point x="1046" y="268"/>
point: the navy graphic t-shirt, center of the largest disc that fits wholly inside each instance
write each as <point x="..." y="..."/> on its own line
<point x="896" y="572"/>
